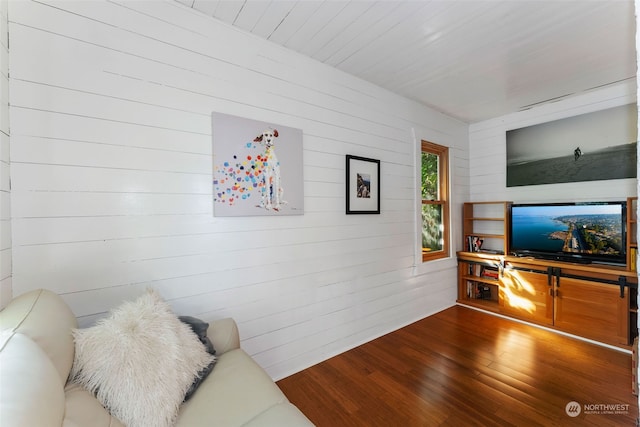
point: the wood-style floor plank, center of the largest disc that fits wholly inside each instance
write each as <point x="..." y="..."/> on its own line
<point x="462" y="367"/>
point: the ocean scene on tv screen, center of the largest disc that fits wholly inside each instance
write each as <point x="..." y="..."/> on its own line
<point x="583" y="229"/>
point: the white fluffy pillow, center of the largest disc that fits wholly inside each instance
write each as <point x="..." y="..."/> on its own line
<point x="139" y="361"/>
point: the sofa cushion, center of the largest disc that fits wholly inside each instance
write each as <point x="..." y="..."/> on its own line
<point x="82" y="409"/>
<point x="45" y="318"/>
<point x="32" y="392"/>
<point x="235" y="393"/>
<point x="282" y="414"/>
<point x="139" y="361"/>
<point x="224" y="335"/>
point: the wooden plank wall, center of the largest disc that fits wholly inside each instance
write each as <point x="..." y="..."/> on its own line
<point x="111" y="169"/>
<point x="488" y="150"/>
<point x="5" y="189"/>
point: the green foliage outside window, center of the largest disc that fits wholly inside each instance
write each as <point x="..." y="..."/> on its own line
<point x="431" y="214"/>
<point x="431" y="227"/>
<point x="429" y="176"/>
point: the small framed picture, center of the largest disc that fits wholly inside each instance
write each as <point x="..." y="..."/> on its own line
<point x="363" y="185"/>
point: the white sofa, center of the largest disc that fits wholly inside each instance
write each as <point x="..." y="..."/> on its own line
<point x="36" y="356"/>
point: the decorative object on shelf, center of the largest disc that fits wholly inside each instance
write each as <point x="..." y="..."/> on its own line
<point x="363" y="185"/>
<point x="249" y="178"/>
<point x="589" y="147"/>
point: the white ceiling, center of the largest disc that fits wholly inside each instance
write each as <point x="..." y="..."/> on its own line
<point x="473" y="60"/>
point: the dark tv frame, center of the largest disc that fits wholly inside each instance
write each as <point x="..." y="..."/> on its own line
<point x="582" y="258"/>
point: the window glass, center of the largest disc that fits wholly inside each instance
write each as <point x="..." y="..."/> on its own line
<point x="432" y="228"/>
<point x="429" y="176"/>
<point x="435" y="205"/>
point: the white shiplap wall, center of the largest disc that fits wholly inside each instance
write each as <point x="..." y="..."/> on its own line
<point x="5" y="189"/>
<point x="111" y="171"/>
<point x="488" y="150"/>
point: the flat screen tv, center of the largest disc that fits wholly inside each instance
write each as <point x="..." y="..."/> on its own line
<point x="573" y="232"/>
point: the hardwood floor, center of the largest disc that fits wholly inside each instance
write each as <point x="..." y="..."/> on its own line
<point x="462" y="367"/>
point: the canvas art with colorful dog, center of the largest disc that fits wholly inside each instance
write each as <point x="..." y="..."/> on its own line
<point x="249" y="178"/>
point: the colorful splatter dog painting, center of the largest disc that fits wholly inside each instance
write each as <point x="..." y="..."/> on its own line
<point x="257" y="168"/>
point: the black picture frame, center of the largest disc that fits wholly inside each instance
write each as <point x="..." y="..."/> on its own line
<point x="363" y="185"/>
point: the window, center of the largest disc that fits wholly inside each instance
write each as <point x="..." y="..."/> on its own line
<point x="435" y="204"/>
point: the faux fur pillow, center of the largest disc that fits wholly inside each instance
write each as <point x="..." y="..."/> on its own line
<point x="140" y="361"/>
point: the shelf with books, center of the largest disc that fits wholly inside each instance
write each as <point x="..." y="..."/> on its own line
<point x="632" y="256"/>
<point x="479" y="282"/>
<point x="485" y="227"/>
<point x="632" y="229"/>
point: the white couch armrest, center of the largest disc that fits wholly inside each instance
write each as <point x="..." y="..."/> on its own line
<point x="224" y="335"/>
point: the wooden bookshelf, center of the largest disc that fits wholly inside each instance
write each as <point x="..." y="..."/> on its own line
<point x="632" y="229"/>
<point x="488" y="222"/>
<point x="632" y="256"/>
<point x="476" y="286"/>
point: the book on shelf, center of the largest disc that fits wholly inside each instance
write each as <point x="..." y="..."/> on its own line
<point x="474" y="243"/>
<point x="474" y="269"/>
<point x="478" y="270"/>
<point x="490" y="273"/>
<point x="487" y="272"/>
<point x="477" y="290"/>
<point x="633" y="261"/>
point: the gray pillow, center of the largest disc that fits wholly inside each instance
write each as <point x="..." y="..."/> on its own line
<point x="199" y="327"/>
